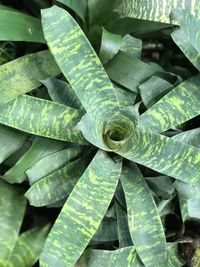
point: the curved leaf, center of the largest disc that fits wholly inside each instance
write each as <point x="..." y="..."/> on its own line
<point x="178" y="106"/>
<point x="82" y="212"/>
<point x="12" y="209"/>
<point x="129" y="71"/>
<point x="118" y="258"/>
<point x="156" y="10"/>
<point x="16" y="26"/>
<point x="51" y="163"/>
<point x="78" y="62"/>
<point x="57" y="185"/>
<point x="62" y="92"/>
<point x="143" y="218"/>
<point x="10" y="141"/>
<point x="28" y="247"/>
<point x="24" y="74"/>
<point x="42" y="117"/>
<point x="40" y="148"/>
<point x="110" y="45"/>
<point x="78" y="6"/>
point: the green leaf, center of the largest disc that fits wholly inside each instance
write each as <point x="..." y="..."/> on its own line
<point x="163" y="186"/>
<point x="118" y="258"/>
<point x="156" y="10"/>
<point x="189" y="195"/>
<point x="83" y="212"/>
<point x="180" y="38"/>
<point x="100" y="10"/>
<point x="24" y="74"/>
<point x="12" y="209"/>
<point x="78" y="62"/>
<point x="52" y="163"/>
<point x="41" y="147"/>
<point x="10" y="142"/>
<point x="153" y="90"/>
<point x="28" y="247"/>
<point x="129" y="71"/>
<point x="62" y="92"/>
<point x="16" y="26"/>
<point x="122" y="227"/>
<point x="78" y="6"/>
<point x="57" y="185"/>
<point x="110" y="45"/>
<point x="189" y="24"/>
<point x="131" y="46"/>
<point x="55" y="121"/>
<point x="178" y="106"/>
<point x="143" y="218"/>
<point x="107" y="232"/>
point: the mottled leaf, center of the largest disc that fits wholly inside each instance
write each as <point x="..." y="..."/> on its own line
<point x="12" y="209"/>
<point x="83" y="212"/>
<point x="24" y="74"/>
<point x="143" y="218"/>
<point x="42" y="117"/>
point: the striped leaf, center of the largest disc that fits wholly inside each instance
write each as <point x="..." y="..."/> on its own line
<point x="42" y="117"/>
<point x="131" y="46"/>
<point x="118" y="258"/>
<point x="153" y="90"/>
<point x="24" y="74"/>
<point x="28" y="247"/>
<point x="52" y="163"/>
<point x="186" y="37"/>
<point x="157" y="10"/>
<point x="180" y="38"/>
<point x="40" y="148"/>
<point x="178" y="106"/>
<point x="57" y="185"/>
<point x="143" y="218"/>
<point x="10" y="141"/>
<point x="83" y="212"/>
<point x="12" y="209"/>
<point x="26" y="28"/>
<point x="155" y="151"/>
<point x="78" y="62"/>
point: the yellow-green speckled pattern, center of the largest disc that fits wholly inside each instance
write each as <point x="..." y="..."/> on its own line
<point x="28" y="247"/>
<point x="157" y="10"/>
<point x="12" y="209"/>
<point x="78" y="62"/>
<point x="82" y="212"/>
<point x="42" y="117"/>
<point x="22" y="75"/>
<point x="148" y="238"/>
<point x="177" y="107"/>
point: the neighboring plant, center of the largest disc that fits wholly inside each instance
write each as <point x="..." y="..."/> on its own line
<point x="109" y="144"/>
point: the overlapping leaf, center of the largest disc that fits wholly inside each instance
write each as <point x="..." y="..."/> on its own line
<point x="149" y="239"/>
<point x="82" y="212"/>
<point x="10" y="141"/>
<point x="40" y="148"/>
<point x="156" y="10"/>
<point x="42" y="117"/>
<point x="12" y="209"/>
<point x="24" y="74"/>
<point x="78" y="62"/>
<point x="176" y="107"/>
<point x="16" y="26"/>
